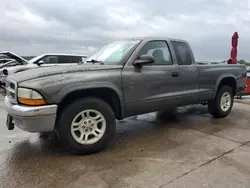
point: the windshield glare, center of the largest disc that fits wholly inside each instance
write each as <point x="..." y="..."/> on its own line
<point x="114" y="52"/>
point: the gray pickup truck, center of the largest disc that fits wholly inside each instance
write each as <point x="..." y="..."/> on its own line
<point x="125" y="78"/>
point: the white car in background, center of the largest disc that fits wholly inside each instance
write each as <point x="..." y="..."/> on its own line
<point x="51" y="59"/>
<point x="2" y="61"/>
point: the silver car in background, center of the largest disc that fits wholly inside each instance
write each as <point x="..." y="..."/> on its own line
<point x="2" y="61"/>
<point x="51" y="59"/>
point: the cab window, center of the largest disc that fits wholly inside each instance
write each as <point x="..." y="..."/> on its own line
<point x="159" y="50"/>
<point x="182" y="53"/>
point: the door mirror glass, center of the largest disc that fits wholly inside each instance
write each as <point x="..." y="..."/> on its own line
<point x="144" y="60"/>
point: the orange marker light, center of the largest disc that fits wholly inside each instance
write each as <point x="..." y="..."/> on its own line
<point x="32" y="102"/>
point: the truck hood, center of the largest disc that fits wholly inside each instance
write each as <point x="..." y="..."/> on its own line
<point x="56" y="70"/>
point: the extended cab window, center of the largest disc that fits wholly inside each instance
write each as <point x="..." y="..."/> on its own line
<point x="182" y="53"/>
<point x="159" y="50"/>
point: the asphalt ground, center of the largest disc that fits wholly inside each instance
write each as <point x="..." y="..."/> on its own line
<point x="185" y="149"/>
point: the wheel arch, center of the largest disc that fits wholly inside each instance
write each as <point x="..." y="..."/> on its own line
<point x="106" y="91"/>
<point x="229" y="80"/>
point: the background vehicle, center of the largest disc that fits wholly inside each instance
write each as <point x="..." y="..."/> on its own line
<point x="57" y="59"/>
<point x="2" y="61"/>
<point x="9" y="64"/>
<point x="125" y="78"/>
<point x="247" y="90"/>
<point x="207" y="63"/>
<point x="20" y="64"/>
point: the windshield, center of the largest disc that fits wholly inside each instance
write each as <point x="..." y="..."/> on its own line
<point x="114" y="52"/>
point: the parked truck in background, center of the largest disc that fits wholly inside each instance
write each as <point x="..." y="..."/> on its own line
<point x="125" y="78"/>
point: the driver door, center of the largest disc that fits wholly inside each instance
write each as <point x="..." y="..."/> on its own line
<point x="151" y="87"/>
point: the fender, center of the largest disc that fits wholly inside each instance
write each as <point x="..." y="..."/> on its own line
<point x="221" y="77"/>
<point x="92" y="85"/>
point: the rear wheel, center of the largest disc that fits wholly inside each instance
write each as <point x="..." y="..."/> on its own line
<point x="86" y="126"/>
<point x="222" y="104"/>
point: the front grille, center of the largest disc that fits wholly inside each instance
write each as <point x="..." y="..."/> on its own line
<point x="11" y="88"/>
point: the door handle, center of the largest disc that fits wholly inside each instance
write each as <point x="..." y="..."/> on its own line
<point x="175" y="74"/>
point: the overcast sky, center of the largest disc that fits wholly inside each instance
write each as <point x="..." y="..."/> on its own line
<point x="32" y="27"/>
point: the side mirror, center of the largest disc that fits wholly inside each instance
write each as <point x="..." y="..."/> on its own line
<point x="40" y="62"/>
<point x="143" y="60"/>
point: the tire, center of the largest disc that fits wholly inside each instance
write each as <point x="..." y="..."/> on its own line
<point x="216" y="108"/>
<point x="70" y="113"/>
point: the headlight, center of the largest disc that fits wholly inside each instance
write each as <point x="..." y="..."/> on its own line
<point x="29" y="97"/>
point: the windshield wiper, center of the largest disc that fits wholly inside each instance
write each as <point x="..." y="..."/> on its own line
<point x="95" y="61"/>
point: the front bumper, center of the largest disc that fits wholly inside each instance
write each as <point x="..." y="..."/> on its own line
<point x="32" y="119"/>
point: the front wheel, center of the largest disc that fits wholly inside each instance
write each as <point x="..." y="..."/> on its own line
<point x="222" y="104"/>
<point x="86" y="126"/>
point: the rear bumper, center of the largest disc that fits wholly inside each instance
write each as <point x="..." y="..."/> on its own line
<point x="32" y="119"/>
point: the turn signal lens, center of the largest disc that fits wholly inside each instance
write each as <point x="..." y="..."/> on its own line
<point x="33" y="102"/>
